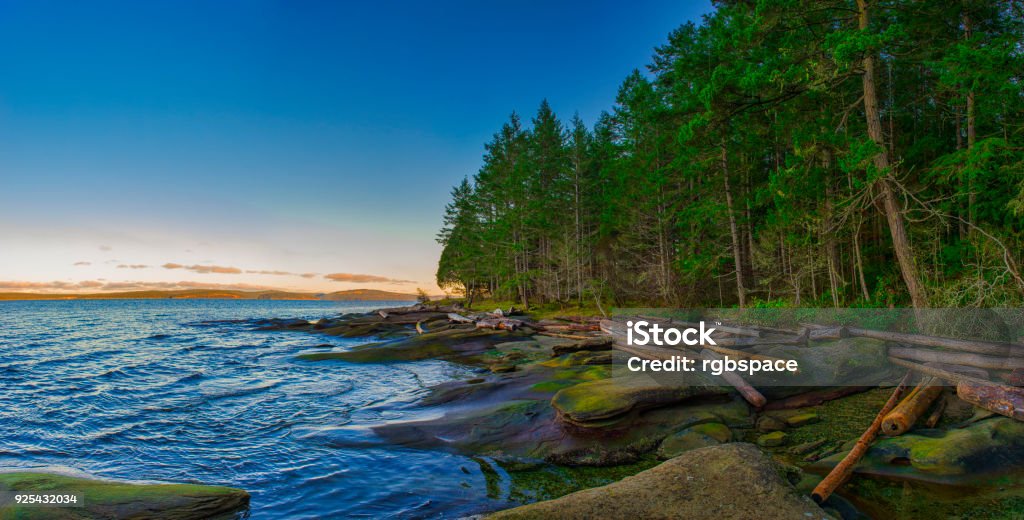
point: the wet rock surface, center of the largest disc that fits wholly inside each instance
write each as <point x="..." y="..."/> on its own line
<point x="102" y="499"/>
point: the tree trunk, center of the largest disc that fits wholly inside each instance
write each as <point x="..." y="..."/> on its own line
<point x="971" y="132"/>
<point x="827" y="234"/>
<point x="858" y="264"/>
<point x="736" y="253"/>
<point x="891" y="206"/>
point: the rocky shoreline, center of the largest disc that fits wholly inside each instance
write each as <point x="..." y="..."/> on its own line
<point x="545" y="401"/>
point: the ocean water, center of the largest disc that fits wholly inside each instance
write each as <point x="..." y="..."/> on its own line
<point x="168" y="390"/>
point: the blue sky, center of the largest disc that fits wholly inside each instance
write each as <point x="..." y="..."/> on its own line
<point x="300" y="137"/>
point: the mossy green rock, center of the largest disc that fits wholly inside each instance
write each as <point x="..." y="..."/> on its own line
<point x="771" y="440"/>
<point x="802" y="419"/>
<point x="694" y="437"/>
<point x="719" y="482"/>
<point x="768" y="423"/>
<point x="988" y="450"/>
<point x="608" y="398"/>
<point x="103" y="499"/>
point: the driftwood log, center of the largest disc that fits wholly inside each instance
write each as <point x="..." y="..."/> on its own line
<point x="902" y="418"/>
<point x="936" y="415"/>
<point x="742" y="386"/>
<point x="978" y="347"/>
<point x="763" y="340"/>
<point x="958" y="358"/>
<point x="844" y="469"/>
<point x="994" y="397"/>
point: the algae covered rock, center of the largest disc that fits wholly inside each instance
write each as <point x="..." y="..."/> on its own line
<point x="730" y="481"/>
<point x="608" y="398"/>
<point x="772" y="440"/>
<point x="102" y="499"/>
<point x="986" y="450"/>
<point x="694" y="437"/>
<point x="768" y="423"/>
<point x="801" y="419"/>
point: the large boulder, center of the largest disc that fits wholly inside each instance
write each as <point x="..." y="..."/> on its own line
<point x="731" y="481"/>
<point x="102" y="499"/>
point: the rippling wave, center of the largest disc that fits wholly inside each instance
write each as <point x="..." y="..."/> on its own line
<point x="192" y="391"/>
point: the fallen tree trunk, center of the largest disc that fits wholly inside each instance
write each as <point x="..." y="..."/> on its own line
<point x="748" y="392"/>
<point x="978" y="347"/>
<point x="1003" y="400"/>
<point x="994" y="397"/>
<point x="764" y="340"/>
<point x="957" y="358"/>
<point x="936" y="414"/>
<point x="827" y="333"/>
<point x="962" y="370"/>
<point x="844" y="469"/>
<point x="458" y="318"/>
<point x="903" y="417"/>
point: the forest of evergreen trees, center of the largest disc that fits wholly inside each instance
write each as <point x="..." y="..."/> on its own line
<point x="782" y="152"/>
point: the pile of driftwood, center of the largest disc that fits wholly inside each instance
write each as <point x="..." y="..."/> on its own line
<point x="939" y="362"/>
<point x="964" y="364"/>
<point x="498" y="319"/>
<point x="568" y="327"/>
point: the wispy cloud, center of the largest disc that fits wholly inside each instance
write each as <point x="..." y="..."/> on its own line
<point x="133" y="266"/>
<point x="275" y="272"/>
<point x="106" y="248"/>
<point x="104" y="286"/>
<point x="82" y="263"/>
<point x="204" y="269"/>
<point x="362" y="278"/>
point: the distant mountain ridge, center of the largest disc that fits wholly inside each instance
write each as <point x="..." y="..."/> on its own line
<point x="350" y="295"/>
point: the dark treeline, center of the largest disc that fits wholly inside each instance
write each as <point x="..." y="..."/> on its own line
<point x="793" y="152"/>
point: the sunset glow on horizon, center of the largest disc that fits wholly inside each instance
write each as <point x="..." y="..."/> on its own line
<point x="265" y="145"/>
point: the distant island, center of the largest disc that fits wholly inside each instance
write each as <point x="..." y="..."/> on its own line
<point x="350" y="295"/>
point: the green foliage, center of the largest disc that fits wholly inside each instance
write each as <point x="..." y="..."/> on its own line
<point x="742" y="153"/>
